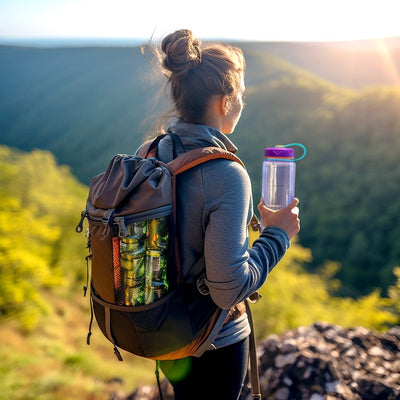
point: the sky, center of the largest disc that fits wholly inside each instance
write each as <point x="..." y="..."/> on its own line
<point x="263" y="20"/>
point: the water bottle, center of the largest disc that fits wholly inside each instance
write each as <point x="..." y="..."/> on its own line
<point x="278" y="180"/>
<point x="279" y="175"/>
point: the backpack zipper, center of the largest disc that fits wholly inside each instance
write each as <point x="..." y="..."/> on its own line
<point x="122" y="221"/>
<point x="122" y="229"/>
<point x="79" y="227"/>
<point x="128" y="219"/>
<point x="85" y="214"/>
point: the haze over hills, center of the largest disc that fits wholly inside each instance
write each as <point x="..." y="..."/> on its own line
<point x="86" y="104"/>
<point x="355" y="64"/>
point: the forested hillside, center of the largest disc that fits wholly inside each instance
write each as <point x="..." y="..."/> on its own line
<point x="82" y="104"/>
<point x="86" y="104"/>
<point x="348" y="183"/>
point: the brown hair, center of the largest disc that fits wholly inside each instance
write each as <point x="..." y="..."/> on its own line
<point x="196" y="73"/>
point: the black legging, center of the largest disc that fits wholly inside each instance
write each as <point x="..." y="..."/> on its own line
<point x="217" y="375"/>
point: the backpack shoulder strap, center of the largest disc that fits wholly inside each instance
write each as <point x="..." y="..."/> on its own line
<point x="149" y="148"/>
<point x="189" y="160"/>
<point x="199" y="156"/>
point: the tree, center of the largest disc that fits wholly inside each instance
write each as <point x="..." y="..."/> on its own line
<point x="37" y="203"/>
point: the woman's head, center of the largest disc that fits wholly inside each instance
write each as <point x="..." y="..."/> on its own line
<point x="197" y="74"/>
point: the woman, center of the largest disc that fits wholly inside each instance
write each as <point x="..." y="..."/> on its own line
<point x="214" y="210"/>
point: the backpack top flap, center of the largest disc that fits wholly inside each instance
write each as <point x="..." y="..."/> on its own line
<point x="130" y="177"/>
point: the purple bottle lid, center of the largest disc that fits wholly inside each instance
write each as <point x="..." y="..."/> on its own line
<point x="279" y="152"/>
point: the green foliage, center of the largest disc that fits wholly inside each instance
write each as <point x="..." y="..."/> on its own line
<point x="55" y="363"/>
<point x="292" y="298"/>
<point x="38" y="202"/>
<point x="350" y="218"/>
<point x="394" y="291"/>
<point x="347" y="184"/>
<point x="85" y="105"/>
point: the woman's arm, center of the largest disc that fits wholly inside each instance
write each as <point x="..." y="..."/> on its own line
<point x="233" y="271"/>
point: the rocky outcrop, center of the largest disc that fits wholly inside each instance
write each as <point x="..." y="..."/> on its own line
<point x="320" y="362"/>
<point x="327" y="362"/>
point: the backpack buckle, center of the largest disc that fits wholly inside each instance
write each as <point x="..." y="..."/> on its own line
<point x="201" y="285"/>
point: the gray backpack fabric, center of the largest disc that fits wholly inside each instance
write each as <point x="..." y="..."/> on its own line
<point x="139" y="298"/>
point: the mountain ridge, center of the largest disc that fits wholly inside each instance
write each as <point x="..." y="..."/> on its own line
<point x="85" y="105"/>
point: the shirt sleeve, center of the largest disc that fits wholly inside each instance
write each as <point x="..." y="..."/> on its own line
<point x="233" y="271"/>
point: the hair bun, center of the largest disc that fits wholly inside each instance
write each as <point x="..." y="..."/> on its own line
<point x="182" y="52"/>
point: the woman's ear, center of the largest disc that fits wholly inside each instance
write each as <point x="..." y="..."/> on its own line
<point x="226" y="104"/>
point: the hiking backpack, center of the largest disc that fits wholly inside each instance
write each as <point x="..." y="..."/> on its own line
<point x="139" y="298"/>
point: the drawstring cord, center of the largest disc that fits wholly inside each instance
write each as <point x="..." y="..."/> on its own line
<point x="158" y="379"/>
<point x="91" y="322"/>
<point x="85" y="287"/>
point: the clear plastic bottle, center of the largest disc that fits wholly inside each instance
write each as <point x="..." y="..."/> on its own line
<point x="278" y="177"/>
<point x="156" y="281"/>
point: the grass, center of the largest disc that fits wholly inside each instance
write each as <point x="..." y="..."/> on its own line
<point x="55" y="363"/>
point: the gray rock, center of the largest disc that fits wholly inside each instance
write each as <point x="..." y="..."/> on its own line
<point x="320" y="362"/>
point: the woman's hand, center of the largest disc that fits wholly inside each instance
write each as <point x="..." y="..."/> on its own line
<point x="287" y="218"/>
